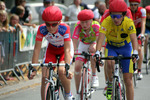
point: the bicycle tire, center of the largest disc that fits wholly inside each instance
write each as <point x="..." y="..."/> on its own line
<point x="82" y="93"/>
<point x="49" y="94"/>
<point x="147" y="58"/>
<point x="116" y="90"/>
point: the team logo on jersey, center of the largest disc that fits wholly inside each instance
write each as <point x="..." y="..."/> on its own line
<point x="43" y="30"/>
<point x="122" y="29"/>
<point x="130" y="28"/>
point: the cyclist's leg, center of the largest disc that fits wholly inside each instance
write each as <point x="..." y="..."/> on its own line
<point x="77" y="73"/>
<point x="140" y="61"/>
<point x="127" y="69"/>
<point x="49" y="57"/>
<point x="129" y="86"/>
<point x="95" y="82"/>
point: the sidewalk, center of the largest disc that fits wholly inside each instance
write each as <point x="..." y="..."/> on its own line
<point x="16" y="85"/>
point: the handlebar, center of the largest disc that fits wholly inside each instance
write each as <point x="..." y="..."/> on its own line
<point x="49" y="65"/>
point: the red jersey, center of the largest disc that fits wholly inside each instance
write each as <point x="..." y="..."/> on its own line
<point x="138" y="15"/>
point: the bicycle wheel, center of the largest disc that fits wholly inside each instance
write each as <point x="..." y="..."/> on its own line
<point x="116" y="90"/>
<point x="147" y="58"/>
<point x="49" y="94"/>
<point x="83" y="86"/>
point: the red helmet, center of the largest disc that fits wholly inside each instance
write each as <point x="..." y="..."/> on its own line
<point x="118" y="6"/>
<point x="147" y="9"/>
<point x="113" y="0"/>
<point x="139" y="1"/>
<point x="52" y="13"/>
<point x="85" y="15"/>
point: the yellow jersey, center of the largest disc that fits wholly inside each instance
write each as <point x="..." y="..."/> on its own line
<point x="117" y="35"/>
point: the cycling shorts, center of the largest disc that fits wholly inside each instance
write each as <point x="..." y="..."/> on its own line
<point x="126" y="51"/>
<point x="52" y="52"/>
<point x="82" y="47"/>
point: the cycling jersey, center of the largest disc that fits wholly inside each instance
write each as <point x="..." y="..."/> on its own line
<point x="80" y="34"/>
<point x="55" y="41"/>
<point x="106" y="14"/>
<point x="140" y="13"/>
<point x="116" y="34"/>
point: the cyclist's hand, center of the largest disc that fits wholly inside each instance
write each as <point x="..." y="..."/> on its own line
<point x="32" y="72"/>
<point x="97" y="55"/>
<point x="70" y="76"/>
<point x="135" y="56"/>
<point x="142" y="37"/>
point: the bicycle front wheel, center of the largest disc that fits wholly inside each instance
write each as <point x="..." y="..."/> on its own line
<point x="116" y="90"/>
<point x="49" y="94"/>
<point x="83" y="86"/>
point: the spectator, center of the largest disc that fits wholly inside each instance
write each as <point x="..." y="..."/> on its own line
<point x="20" y="11"/>
<point x="14" y="22"/>
<point x="46" y="3"/>
<point x="83" y="5"/>
<point x="96" y="4"/>
<point x="99" y="11"/>
<point x="4" y="26"/>
<point x="107" y="3"/>
<point x="73" y="11"/>
<point x="27" y="16"/>
<point x="2" y="5"/>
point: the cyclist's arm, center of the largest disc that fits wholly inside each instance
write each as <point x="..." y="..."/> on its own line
<point x="143" y="23"/>
<point x="67" y="46"/>
<point x="134" y="41"/>
<point x="100" y="41"/>
<point x="36" y="52"/>
<point x="75" y="42"/>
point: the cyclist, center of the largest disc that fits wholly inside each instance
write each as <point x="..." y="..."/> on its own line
<point x="59" y="43"/>
<point x="105" y="15"/>
<point x="87" y="31"/>
<point x="147" y="30"/>
<point x="121" y="37"/>
<point x="139" y="18"/>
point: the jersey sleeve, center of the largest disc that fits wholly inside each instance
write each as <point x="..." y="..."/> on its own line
<point x="131" y="27"/>
<point x="39" y="35"/>
<point x="76" y="31"/>
<point x="129" y="14"/>
<point x="106" y="14"/>
<point x="103" y="27"/>
<point x="143" y="11"/>
<point x="96" y="27"/>
<point x="67" y="34"/>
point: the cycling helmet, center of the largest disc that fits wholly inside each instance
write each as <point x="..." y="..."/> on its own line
<point x="113" y="0"/>
<point x="139" y="1"/>
<point x="117" y="6"/>
<point x="52" y="13"/>
<point x="147" y="9"/>
<point x="85" y="15"/>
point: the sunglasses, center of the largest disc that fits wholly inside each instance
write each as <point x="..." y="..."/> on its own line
<point x="133" y="4"/>
<point x="115" y="16"/>
<point x="53" y="24"/>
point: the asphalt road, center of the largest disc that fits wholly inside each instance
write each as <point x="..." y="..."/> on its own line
<point x="33" y="93"/>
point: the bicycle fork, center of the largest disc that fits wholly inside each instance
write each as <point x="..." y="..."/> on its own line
<point x="117" y="83"/>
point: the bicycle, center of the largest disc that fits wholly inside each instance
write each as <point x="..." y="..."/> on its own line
<point x="118" y="86"/>
<point x="53" y="83"/>
<point x="85" y="89"/>
<point x="147" y="56"/>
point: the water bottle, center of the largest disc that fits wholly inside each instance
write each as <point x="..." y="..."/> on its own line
<point x="57" y="94"/>
<point x="89" y="75"/>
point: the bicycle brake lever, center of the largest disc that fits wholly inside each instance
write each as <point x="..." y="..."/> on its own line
<point x="67" y="68"/>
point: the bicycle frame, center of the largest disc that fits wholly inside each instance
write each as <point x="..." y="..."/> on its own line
<point x="50" y="81"/>
<point x="86" y="91"/>
<point x="118" y="84"/>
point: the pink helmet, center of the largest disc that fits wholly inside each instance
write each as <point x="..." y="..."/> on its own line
<point x="139" y="1"/>
<point x="147" y="9"/>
